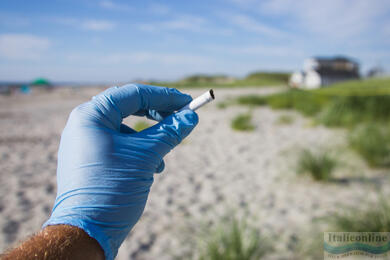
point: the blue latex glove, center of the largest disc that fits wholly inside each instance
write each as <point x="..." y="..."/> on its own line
<point x="105" y="169"/>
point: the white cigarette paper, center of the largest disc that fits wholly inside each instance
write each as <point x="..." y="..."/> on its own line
<point x="200" y="101"/>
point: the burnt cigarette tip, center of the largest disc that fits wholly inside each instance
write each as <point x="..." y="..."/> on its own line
<point x="212" y="93"/>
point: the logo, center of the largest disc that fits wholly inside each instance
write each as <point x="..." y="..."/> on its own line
<point x="356" y="245"/>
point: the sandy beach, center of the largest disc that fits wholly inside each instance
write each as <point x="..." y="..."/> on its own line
<point x="215" y="171"/>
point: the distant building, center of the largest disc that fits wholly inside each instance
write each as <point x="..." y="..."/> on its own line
<point x="322" y="71"/>
<point x="376" y="71"/>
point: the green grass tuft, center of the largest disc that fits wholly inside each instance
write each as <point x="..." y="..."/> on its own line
<point x="375" y="218"/>
<point x="140" y="125"/>
<point x="243" y="122"/>
<point x="252" y="100"/>
<point x="319" y="165"/>
<point x="235" y="241"/>
<point x="372" y="142"/>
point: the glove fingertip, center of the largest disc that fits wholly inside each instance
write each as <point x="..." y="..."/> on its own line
<point x="160" y="167"/>
<point x="188" y="117"/>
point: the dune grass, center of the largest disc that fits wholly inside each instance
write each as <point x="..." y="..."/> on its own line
<point x="234" y="240"/>
<point x="372" y="142"/>
<point x="140" y="125"/>
<point x="256" y="79"/>
<point x="347" y="104"/>
<point x="349" y="111"/>
<point x="319" y="165"/>
<point x="376" y="218"/>
<point x="243" y="122"/>
<point x="343" y="104"/>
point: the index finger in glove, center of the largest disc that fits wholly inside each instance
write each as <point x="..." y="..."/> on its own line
<point x="117" y="103"/>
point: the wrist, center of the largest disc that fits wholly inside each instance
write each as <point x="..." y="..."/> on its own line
<point x="91" y="230"/>
<point x="58" y="242"/>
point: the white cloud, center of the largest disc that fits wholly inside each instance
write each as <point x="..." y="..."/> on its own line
<point x="23" y="46"/>
<point x="258" y="50"/>
<point x="249" y="24"/>
<point x="332" y="18"/>
<point x="111" y="5"/>
<point x="182" y="22"/>
<point x="156" y="58"/>
<point x="98" y="25"/>
<point x="85" y="24"/>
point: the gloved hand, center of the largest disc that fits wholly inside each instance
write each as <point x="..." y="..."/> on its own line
<point x="105" y="169"/>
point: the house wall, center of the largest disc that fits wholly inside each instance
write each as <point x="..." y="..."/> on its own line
<point x="312" y="80"/>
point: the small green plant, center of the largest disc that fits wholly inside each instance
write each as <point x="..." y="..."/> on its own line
<point x="140" y="125"/>
<point x="285" y="119"/>
<point x="252" y="100"/>
<point x="234" y="240"/>
<point x="376" y="218"/>
<point x="319" y="165"/>
<point x="372" y="142"/>
<point x="243" y="122"/>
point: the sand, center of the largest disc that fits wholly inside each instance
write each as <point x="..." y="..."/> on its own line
<point x="214" y="172"/>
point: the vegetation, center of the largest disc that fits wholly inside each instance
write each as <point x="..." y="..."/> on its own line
<point x="343" y="104"/>
<point x="352" y="110"/>
<point x="234" y="241"/>
<point x="243" y="122"/>
<point x="269" y="76"/>
<point x="255" y="79"/>
<point x="252" y="100"/>
<point x="372" y="219"/>
<point x="320" y="166"/>
<point x="372" y="141"/>
<point x="140" y="125"/>
<point x="348" y="104"/>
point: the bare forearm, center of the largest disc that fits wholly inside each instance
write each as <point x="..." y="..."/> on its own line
<point x="57" y="242"/>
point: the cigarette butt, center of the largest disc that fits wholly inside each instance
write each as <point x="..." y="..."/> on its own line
<point x="200" y="101"/>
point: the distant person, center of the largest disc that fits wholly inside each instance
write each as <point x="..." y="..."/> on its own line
<point x="105" y="171"/>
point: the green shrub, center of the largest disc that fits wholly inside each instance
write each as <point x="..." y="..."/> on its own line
<point x="269" y="76"/>
<point x="319" y="165"/>
<point x="306" y="102"/>
<point x="376" y="218"/>
<point x="352" y="110"/>
<point x="140" y="125"/>
<point x="252" y="100"/>
<point x="234" y="241"/>
<point x="372" y="142"/>
<point x="243" y="122"/>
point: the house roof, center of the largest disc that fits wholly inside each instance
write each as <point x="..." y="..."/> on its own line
<point x="326" y="72"/>
<point x="336" y="67"/>
<point x="335" y="59"/>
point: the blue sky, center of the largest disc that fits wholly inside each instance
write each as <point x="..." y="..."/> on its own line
<point x="117" y="41"/>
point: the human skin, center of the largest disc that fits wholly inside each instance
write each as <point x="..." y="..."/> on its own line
<point x="57" y="242"/>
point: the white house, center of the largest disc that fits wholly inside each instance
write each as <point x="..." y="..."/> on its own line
<point x="321" y="71"/>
